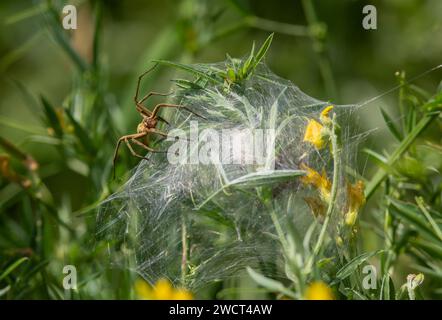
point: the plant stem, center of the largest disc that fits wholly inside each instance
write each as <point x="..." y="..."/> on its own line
<point x="279" y="231"/>
<point x="318" y="44"/>
<point x="275" y="26"/>
<point x="184" y="252"/>
<point x="401" y="77"/>
<point x="334" y="191"/>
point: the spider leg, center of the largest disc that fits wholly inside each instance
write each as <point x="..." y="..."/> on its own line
<point x="140" y="108"/>
<point x="159" y="132"/>
<point x="178" y="106"/>
<point x="132" y="150"/>
<point x="124" y="138"/>
<point x="139" y="82"/>
<point x="146" y="147"/>
<point x="152" y="93"/>
<point x="147" y="113"/>
<point x="164" y="134"/>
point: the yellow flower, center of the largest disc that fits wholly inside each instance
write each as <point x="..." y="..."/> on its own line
<point x="313" y="134"/>
<point x="319" y="181"/>
<point x="314" y="131"/>
<point x="356" y="199"/>
<point x="143" y="290"/>
<point x="324" y="117"/>
<point x="318" y="290"/>
<point x="163" y="290"/>
<point x="182" y="294"/>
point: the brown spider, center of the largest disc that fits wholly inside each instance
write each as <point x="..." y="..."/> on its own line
<point x="148" y="124"/>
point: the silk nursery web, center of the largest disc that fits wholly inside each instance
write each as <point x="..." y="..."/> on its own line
<point x="202" y="212"/>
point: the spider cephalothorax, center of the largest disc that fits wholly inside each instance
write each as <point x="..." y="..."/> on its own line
<point x="148" y="124"/>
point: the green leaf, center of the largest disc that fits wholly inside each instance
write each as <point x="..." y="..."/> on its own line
<point x="403" y="147"/>
<point x="249" y="62"/>
<point x="81" y="134"/>
<point x="4" y="290"/>
<point x="379" y="159"/>
<point x="30" y="12"/>
<point x="186" y="84"/>
<point x="231" y="75"/>
<point x="390" y="124"/>
<point x="411" y="214"/>
<point x="256" y="179"/>
<point x="61" y="38"/>
<point x="387" y="291"/>
<point x="263" y="50"/>
<point x="191" y="70"/>
<point x="270" y="284"/>
<point x="351" y="266"/>
<point x="98" y="13"/>
<point x="261" y="178"/>
<point x="433" y="249"/>
<point x="12" y="267"/>
<point x="422" y="206"/>
<point x="51" y="117"/>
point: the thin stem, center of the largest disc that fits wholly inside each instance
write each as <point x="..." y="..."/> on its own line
<point x="318" y="47"/>
<point x="275" y="26"/>
<point x="334" y="191"/>
<point x="184" y="251"/>
<point x="285" y="248"/>
<point x="401" y="102"/>
<point x="279" y="231"/>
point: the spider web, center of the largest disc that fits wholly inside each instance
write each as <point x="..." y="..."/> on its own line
<point x="199" y="223"/>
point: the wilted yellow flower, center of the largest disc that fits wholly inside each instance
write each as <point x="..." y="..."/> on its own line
<point x="318" y="290"/>
<point x="316" y="206"/>
<point x="313" y="134"/>
<point x="319" y="181"/>
<point x="356" y="199"/>
<point x="163" y="290"/>
<point x="8" y="173"/>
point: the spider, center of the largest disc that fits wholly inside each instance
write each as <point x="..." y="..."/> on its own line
<point x="148" y="124"/>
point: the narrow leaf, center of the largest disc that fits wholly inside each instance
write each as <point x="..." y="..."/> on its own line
<point x="263" y="50"/>
<point x="191" y="70"/>
<point x="351" y="266"/>
<point x="81" y="134"/>
<point x="269" y="284"/>
<point x="12" y="267"/>
<point x="413" y="216"/>
<point x="256" y="179"/>
<point x="390" y="124"/>
<point x="51" y="117"/>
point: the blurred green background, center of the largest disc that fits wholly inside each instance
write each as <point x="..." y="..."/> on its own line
<point x="92" y="72"/>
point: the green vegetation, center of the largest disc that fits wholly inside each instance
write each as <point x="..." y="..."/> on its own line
<point x="67" y="96"/>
